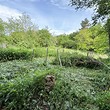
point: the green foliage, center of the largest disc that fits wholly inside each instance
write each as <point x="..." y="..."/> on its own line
<point x="76" y="59"/>
<point x="30" y="39"/>
<point x="17" y="94"/>
<point x="27" y="91"/>
<point x="22" y="33"/>
<point x="103" y="100"/>
<point x="100" y="38"/>
<point x="66" y="42"/>
<point x="107" y="28"/>
<point x="21" y="24"/>
<point x="9" y="54"/>
<point x="101" y="8"/>
<point x="75" y="88"/>
<point x="13" y="54"/>
<point x="83" y="39"/>
<point x="27" y="39"/>
<point x="2" y="28"/>
<point x="94" y="38"/>
<point x="73" y="35"/>
<point x="44" y="38"/>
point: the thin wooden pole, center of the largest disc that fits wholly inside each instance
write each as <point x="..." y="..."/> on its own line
<point x="46" y="60"/>
<point x="32" y="54"/>
<point x="58" y="55"/>
<point x="63" y="50"/>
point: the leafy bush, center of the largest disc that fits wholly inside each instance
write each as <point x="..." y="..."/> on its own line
<point x="68" y="44"/>
<point x="24" y="54"/>
<point x="14" y="54"/>
<point x="78" y="60"/>
<point x="103" y="100"/>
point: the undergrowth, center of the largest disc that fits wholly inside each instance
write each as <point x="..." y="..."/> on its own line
<point x="79" y="60"/>
<point x="22" y="81"/>
<point x="75" y="88"/>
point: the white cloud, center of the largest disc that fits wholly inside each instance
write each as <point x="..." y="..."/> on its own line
<point x="65" y="4"/>
<point x="58" y="32"/>
<point x="62" y="4"/>
<point x="41" y="20"/>
<point x="33" y="0"/>
<point x="6" y="12"/>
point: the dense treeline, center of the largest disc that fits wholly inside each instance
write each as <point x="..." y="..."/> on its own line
<point x="87" y="38"/>
<point x="22" y="32"/>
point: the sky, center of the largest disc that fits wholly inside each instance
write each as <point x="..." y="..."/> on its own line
<point x="57" y="15"/>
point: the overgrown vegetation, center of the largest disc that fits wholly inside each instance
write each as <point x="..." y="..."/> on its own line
<point x="27" y="55"/>
<point x="79" y="60"/>
<point x="23" y="87"/>
<point x="9" y="54"/>
<point x="17" y="33"/>
<point x="14" y="54"/>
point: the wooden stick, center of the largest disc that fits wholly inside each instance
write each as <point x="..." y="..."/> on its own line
<point x="32" y="54"/>
<point x="58" y="54"/>
<point x="46" y="60"/>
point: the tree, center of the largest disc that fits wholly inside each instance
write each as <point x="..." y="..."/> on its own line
<point x="92" y="38"/>
<point x="83" y="39"/>
<point x="21" y="24"/>
<point x="22" y="31"/>
<point x="100" y="38"/>
<point x="85" y="23"/>
<point x="73" y="35"/>
<point x="44" y="37"/>
<point x="101" y="9"/>
<point x="107" y="27"/>
<point x="2" y="29"/>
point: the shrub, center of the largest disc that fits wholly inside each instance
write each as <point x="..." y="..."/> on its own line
<point x="14" y="54"/>
<point x="24" y="54"/>
<point x="78" y="60"/>
<point x="103" y="100"/>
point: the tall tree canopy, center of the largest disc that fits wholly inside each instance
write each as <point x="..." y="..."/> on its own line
<point x="101" y="7"/>
<point x="21" y="24"/>
<point x="1" y="28"/>
<point x="85" y="23"/>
